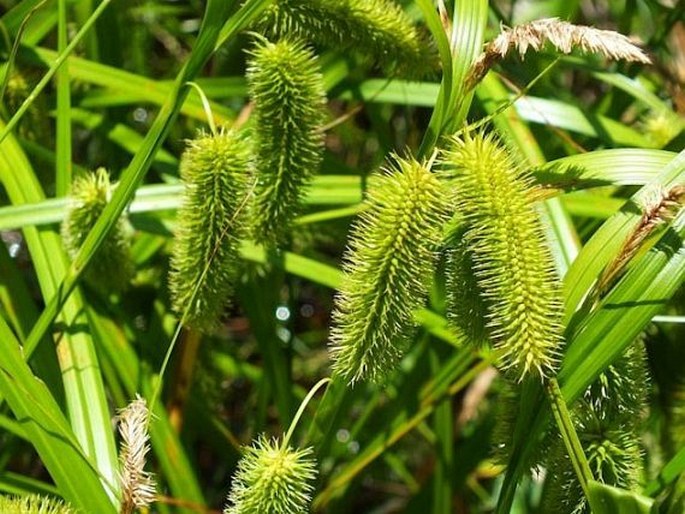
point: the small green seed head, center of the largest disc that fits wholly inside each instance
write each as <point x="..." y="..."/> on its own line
<point x="111" y="268"/>
<point x="33" y="504"/>
<point x="272" y="479"/>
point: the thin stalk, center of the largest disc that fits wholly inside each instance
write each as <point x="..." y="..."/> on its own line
<point x="205" y="105"/>
<point x="569" y="434"/>
<point x="63" y="165"/>
<point x="300" y="411"/>
<point x="520" y="94"/>
<point x="177" y="332"/>
<point x="190" y="344"/>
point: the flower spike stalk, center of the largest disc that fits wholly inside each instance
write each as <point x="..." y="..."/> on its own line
<point x="388" y="270"/>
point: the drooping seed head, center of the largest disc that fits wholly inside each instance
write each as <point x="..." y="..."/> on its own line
<point x="210" y="223"/>
<point x="512" y="262"/>
<point x="112" y="267"/>
<point x="388" y="270"/>
<point x="286" y="86"/>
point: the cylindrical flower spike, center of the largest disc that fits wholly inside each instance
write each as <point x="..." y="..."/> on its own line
<point x="112" y="267"/>
<point x="286" y="86"/>
<point x="512" y="261"/>
<point x="33" y="504"/>
<point x="465" y="306"/>
<point x="211" y="222"/>
<point x="388" y="271"/>
<point x="272" y="478"/>
<point x="377" y="28"/>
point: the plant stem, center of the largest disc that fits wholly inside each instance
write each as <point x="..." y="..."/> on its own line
<point x="569" y="434"/>
<point x="301" y="409"/>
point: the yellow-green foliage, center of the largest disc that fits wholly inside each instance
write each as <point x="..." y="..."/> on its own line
<point x="287" y="88"/>
<point x="512" y="262"/>
<point x="216" y="172"/>
<point x="377" y="28"/>
<point x="111" y="268"/>
<point x="33" y="504"/>
<point x="388" y="271"/>
<point x="272" y="479"/>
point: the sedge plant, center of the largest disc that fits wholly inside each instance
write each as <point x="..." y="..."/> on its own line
<point x="449" y="238"/>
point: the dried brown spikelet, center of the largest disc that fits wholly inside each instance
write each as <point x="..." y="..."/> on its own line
<point x="659" y="208"/>
<point x="564" y="36"/>
<point x="137" y="485"/>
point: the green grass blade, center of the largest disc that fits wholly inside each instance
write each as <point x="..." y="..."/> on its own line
<point x="48" y="430"/>
<point x="466" y="41"/>
<point x="604" y="244"/>
<point x="88" y="409"/>
<point x="63" y="169"/>
<point x="612" y="500"/>
<point x="443" y="96"/>
<point x="142" y="88"/>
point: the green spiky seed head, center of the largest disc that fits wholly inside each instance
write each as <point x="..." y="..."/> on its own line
<point x="112" y="267"/>
<point x="512" y="261"/>
<point x="465" y="306"/>
<point x="33" y="504"/>
<point x="286" y="86"/>
<point x="211" y="221"/>
<point x="388" y="270"/>
<point x="34" y="125"/>
<point x="379" y="29"/>
<point x="272" y="479"/>
<point x="608" y="419"/>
